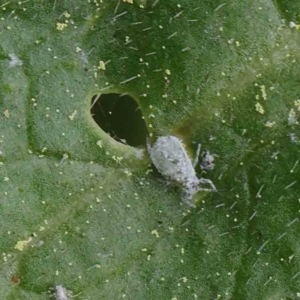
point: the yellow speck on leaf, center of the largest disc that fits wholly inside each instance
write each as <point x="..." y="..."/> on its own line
<point x="22" y="244"/>
<point x="128" y="1"/>
<point x="101" y="65"/>
<point x="297" y="104"/>
<point x="168" y="72"/>
<point x="61" y="26"/>
<point x="99" y="143"/>
<point x="293" y="25"/>
<point x="259" y="108"/>
<point x="6" y="113"/>
<point x="67" y="15"/>
<point x="72" y="116"/>
<point x="269" y="124"/>
<point x="263" y="91"/>
<point x="78" y="49"/>
<point x="155" y="232"/>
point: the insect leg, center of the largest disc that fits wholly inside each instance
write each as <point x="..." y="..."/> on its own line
<point x="187" y="199"/>
<point x="196" y="159"/>
<point x="204" y="180"/>
<point x="148" y="144"/>
<point x="188" y="202"/>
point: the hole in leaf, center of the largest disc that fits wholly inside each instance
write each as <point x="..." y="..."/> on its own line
<point x="120" y="117"/>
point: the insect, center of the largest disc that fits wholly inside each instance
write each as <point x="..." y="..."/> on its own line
<point x="61" y="293"/>
<point x="172" y="161"/>
<point x="208" y="161"/>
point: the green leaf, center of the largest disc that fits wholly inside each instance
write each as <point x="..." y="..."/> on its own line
<point x="94" y="219"/>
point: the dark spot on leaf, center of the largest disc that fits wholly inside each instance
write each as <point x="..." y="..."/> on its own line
<point x="15" y="279"/>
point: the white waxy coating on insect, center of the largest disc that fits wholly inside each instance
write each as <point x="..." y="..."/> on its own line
<point x="171" y="159"/>
<point x="61" y="293"/>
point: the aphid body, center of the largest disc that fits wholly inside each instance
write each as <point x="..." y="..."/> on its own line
<point x="172" y="161"/>
<point x="61" y="293"/>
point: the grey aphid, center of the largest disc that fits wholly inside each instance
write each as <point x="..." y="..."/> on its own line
<point x="172" y="161"/>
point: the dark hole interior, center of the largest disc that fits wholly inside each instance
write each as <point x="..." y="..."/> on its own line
<point x="120" y="117"/>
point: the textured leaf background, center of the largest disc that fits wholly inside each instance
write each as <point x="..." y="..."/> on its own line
<point x="225" y="74"/>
